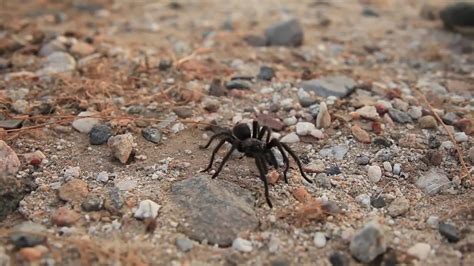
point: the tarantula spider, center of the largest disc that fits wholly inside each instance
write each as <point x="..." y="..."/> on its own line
<point x="252" y="145"/>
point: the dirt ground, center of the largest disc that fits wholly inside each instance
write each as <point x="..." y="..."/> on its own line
<point x="389" y="48"/>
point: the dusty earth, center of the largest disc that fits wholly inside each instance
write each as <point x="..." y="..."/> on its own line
<point x="379" y="156"/>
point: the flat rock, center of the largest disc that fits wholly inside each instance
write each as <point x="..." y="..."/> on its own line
<point x="10" y="123"/>
<point x="368" y="242"/>
<point x="368" y="112"/>
<point x="420" y="250"/>
<point x="9" y="162"/>
<point x="399" y="116"/>
<point x="433" y="182"/>
<point x="338" y="86"/>
<point x="338" y="151"/>
<point x="286" y="33"/>
<point x="56" y="63"/>
<point x="85" y="125"/>
<point x="215" y="210"/>
<point x="73" y="191"/>
<point x="290" y="138"/>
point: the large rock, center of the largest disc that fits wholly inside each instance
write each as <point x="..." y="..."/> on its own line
<point x="368" y="243"/>
<point x="338" y="86"/>
<point x="287" y="33"/>
<point x="9" y="162"/>
<point x="215" y="210"/>
<point x="12" y="191"/>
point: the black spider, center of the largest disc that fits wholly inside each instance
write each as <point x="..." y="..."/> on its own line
<point x="252" y="145"/>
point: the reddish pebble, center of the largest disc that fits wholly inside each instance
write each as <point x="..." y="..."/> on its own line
<point x="381" y="109"/>
<point x="273" y="176"/>
<point x="34" y="158"/>
<point x="65" y="217"/>
<point x="301" y="194"/>
<point x="360" y="134"/>
<point x="377" y="127"/>
<point x="31" y="254"/>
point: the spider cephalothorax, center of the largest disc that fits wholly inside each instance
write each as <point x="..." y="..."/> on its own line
<point x="250" y="142"/>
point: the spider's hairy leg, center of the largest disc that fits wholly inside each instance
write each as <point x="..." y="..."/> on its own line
<point x="216" y="149"/>
<point x="264" y="130"/>
<point x="255" y="129"/>
<point x="214" y="137"/>
<point x="260" y="162"/>
<point x="286" y="161"/>
<point x="226" y="158"/>
<point x="287" y="148"/>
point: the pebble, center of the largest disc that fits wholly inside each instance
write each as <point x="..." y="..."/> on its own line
<point x="51" y="47"/>
<point x="433" y="221"/>
<point x="317" y="133"/>
<point x="65" y="217"/>
<point x="338" y="86"/>
<point x="214" y="209"/>
<point x="216" y="88"/>
<point x="304" y="128"/>
<point x="56" y="63"/>
<point x="34" y="158"/>
<point x="449" y="231"/>
<point x="177" y="127"/>
<point x="387" y="166"/>
<point x="398" y="207"/>
<point x="339" y="258"/>
<point x="99" y="134"/>
<point x="420" y="250"/>
<point x="415" y="112"/>
<point x="152" y="134"/>
<point x="72" y="172"/>
<point x="211" y="105"/>
<point x="333" y="170"/>
<point x="147" y="209"/>
<point x="461" y="137"/>
<point x="363" y="200"/>
<point x="286" y="33"/>
<point x="85" y="125"/>
<point x="428" y="122"/>
<point x="238" y="84"/>
<point x="290" y="138"/>
<point x="184" y="243"/>
<point x="274" y="244"/>
<point x="74" y="190"/>
<point x="31" y="254"/>
<point x="183" y="111"/>
<point x="114" y="200"/>
<point x="92" y="203"/>
<point x="338" y="151"/>
<point x="20" y="106"/>
<point x="319" y="239"/>
<point x="121" y="146"/>
<point x="368" y="112"/>
<point x="362" y="160"/>
<point x="290" y="121"/>
<point x="433" y="181"/>
<point x="102" y="177"/>
<point x="323" y="120"/>
<point x="378" y="202"/>
<point x="399" y="116"/>
<point x="266" y="73"/>
<point x="368" y="242"/>
<point x="82" y="48"/>
<point x="305" y="98"/>
<point x="28" y="234"/>
<point x="374" y="173"/>
<point x="397" y="168"/>
<point x="242" y="245"/>
<point x="450" y="118"/>
<point x="9" y="162"/>
<point x="360" y="134"/>
<point x="433" y="142"/>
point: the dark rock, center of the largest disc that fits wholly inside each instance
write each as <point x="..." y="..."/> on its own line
<point x="449" y="231"/>
<point x="243" y="77"/>
<point x="256" y="41"/>
<point x="368" y="243"/>
<point x="270" y="121"/>
<point x="399" y="116"/>
<point x="458" y="15"/>
<point x="433" y="142"/>
<point x="136" y="109"/>
<point x="183" y="111"/>
<point x="92" y="203"/>
<point x="216" y="88"/>
<point x="28" y="234"/>
<point x="12" y="191"/>
<point x="378" y="202"/>
<point x="333" y="170"/>
<point x="434" y="157"/>
<point x="114" y="200"/>
<point x="362" y="160"/>
<point x="165" y="65"/>
<point x="214" y="209"/>
<point x="266" y="73"/>
<point x="450" y="118"/>
<point x="382" y="142"/>
<point x="152" y="134"/>
<point x="339" y="258"/>
<point x="338" y="86"/>
<point x="238" y="84"/>
<point x="368" y="12"/>
<point x="287" y="33"/>
<point x="42" y="109"/>
<point x="100" y="134"/>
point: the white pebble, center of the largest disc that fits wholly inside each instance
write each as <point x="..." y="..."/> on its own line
<point x="387" y="166"/>
<point x="290" y="121"/>
<point x="375" y="173"/>
<point x="304" y="128"/>
<point x="460" y="137"/>
<point x="433" y="221"/>
<point x="420" y="250"/>
<point x="147" y="209"/>
<point x="397" y="168"/>
<point x="290" y="138"/>
<point x="363" y="200"/>
<point x="102" y="177"/>
<point x="319" y="239"/>
<point x="242" y="245"/>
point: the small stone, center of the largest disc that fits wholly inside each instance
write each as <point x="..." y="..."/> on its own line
<point x="114" y="201"/>
<point x="374" y="173"/>
<point x="21" y="106"/>
<point x="377" y="202"/>
<point x="317" y="133"/>
<point x="183" y="111"/>
<point x="73" y="191"/>
<point x="368" y="112"/>
<point x="387" y="166"/>
<point x="360" y="134"/>
<point x="397" y="168"/>
<point x="99" y="134"/>
<point x="266" y="73"/>
<point x="363" y="200"/>
<point x="461" y="137"/>
<point x="338" y="151"/>
<point x="362" y="160"/>
<point x="28" y="234"/>
<point x="152" y="134"/>
<point x="434" y="157"/>
<point x="31" y="254"/>
<point x="274" y="244"/>
<point x="121" y="146"/>
<point x="433" y="182"/>
<point x="319" y="239"/>
<point x="85" y="125"/>
<point x="72" y="172"/>
<point x="420" y="250"/>
<point x="287" y="33"/>
<point x="449" y="231"/>
<point x="339" y="86"/>
<point x="433" y="142"/>
<point x="9" y="162"/>
<point x="65" y="217"/>
<point x="433" y="221"/>
<point x="305" y="98"/>
<point x="290" y="138"/>
<point x="177" y="127"/>
<point x="82" y="48"/>
<point x="57" y="63"/>
<point x="304" y="128"/>
<point x="301" y="194"/>
<point x="368" y="242"/>
<point x="270" y="121"/>
<point x="428" y="122"/>
<point x="211" y="105"/>
<point x="242" y="245"/>
<point x="415" y="112"/>
<point x="147" y="209"/>
<point x="34" y="158"/>
<point x="102" y="177"/>
<point x="398" y="207"/>
<point x="290" y="121"/>
<point x="92" y="203"/>
<point x="339" y="258"/>
<point x="323" y="120"/>
<point x="238" y="84"/>
<point x="184" y="244"/>
<point x="333" y="170"/>
<point x="164" y="65"/>
<point x="399" y="116"/>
